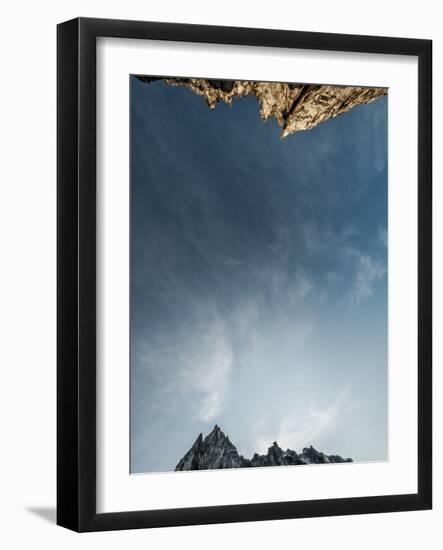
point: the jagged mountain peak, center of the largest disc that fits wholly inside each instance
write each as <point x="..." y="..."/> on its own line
<point x="216" y="451"/>
<point x="216" y="433"/>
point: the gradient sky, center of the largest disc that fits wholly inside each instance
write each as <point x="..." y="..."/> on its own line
<point x="258" y="279"/>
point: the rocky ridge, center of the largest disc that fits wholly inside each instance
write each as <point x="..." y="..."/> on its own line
<point x="216" y="451"/>
<point x="294" y="106"/>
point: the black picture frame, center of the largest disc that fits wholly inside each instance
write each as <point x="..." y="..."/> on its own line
<point x="76" y="279"/>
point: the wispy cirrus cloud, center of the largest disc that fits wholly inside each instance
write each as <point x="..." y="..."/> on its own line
<point x="302" y="287"/>
<point x="190" y="370"/>
<point x="297" y="431"/>
<point x="368" y="272"/>
<point x="209" y="374"/>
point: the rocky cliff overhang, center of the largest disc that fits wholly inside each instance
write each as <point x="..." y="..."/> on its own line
<point x="295" y="107"/>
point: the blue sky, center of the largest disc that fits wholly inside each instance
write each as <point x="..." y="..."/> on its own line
<point x="258" y="279"/>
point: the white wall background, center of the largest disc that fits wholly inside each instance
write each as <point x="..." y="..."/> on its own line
<point x="27" y="274"/>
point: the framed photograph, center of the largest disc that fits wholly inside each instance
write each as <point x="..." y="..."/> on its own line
<point x="244" y="274"/>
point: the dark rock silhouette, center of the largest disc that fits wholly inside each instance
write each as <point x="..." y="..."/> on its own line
<point x="216" y="451"/>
